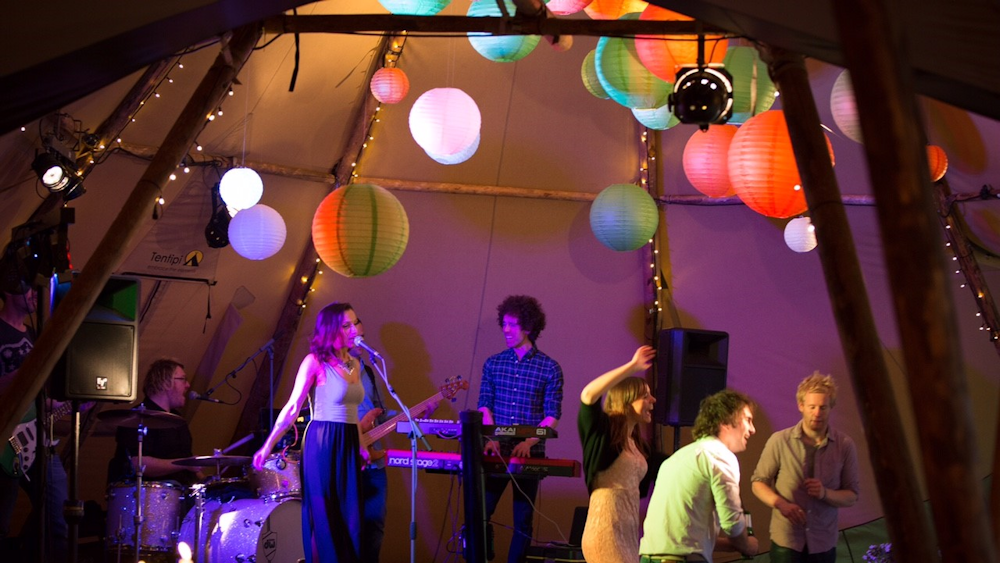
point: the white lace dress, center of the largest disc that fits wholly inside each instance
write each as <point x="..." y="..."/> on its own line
<point x="612" y="531"/>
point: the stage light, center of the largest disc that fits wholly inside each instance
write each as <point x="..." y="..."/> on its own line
<point x="702" y="95"/>
<point x="58" y="174"/>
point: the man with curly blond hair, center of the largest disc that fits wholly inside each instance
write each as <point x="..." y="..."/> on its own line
<point x="805" y="474"/>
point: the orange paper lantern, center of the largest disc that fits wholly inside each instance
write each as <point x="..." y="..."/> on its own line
<point x="937" y="160"/>
<point x="613" y="9"/>
<point x="390" y="85"/>
<point x="360" y="230"/>
<point x="706" y="160"/>
<point x="762" y="167"/>
<point x="664" y="54"/>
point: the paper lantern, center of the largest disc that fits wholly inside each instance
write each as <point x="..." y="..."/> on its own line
<point x="664" y="54"/>
<point x="937" y="160"/>
<point x="753" y="90"/>
<point x="414" y="7"/>
<point x="762" y="167"/>
<point x="445" y="121"/>
<point x="660" y="118"/>
<point x="800" y="235"/>
<point x="257" y="233"/>
<point x="624" y="217"/>
<point x="360" y="230"/>
<point x="458" y="157"/>
<point x="499" y="48"/>
<point x="613" y="9"/>
<point x="844" y="108"/>
<point x="706" y="160"/>
<point x="566" y="7"/>
<point x="390" y="85"/>
<point x="624" y="78"/>
<point x="588" y="73"/>
<point x="241" y="188"/>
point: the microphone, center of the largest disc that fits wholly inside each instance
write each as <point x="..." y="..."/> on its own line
<point x="360" y="342"/>
<point x="194" y="396"/>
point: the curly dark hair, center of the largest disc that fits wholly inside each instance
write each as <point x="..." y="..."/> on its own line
<point x="724" y="407"/>
<point x="528" y="311"/>
<point x="159" y="378"/>
<point x="327" y="326"/>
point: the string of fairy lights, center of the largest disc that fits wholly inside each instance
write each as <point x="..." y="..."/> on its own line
<point x="647" y="167"/>
<point x="391" y="59"/>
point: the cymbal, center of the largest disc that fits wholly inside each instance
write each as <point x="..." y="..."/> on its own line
<point x="213" y="460"/>
<point x="133" y="418"/>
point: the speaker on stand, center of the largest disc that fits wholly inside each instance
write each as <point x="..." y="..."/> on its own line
<point x="690" y="365"/>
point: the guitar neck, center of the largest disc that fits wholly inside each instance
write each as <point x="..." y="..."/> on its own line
<point x="389" y="426"/>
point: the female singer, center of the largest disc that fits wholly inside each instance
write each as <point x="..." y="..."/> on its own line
<point x="332" y="456"/>
<point x="614" y="459"/>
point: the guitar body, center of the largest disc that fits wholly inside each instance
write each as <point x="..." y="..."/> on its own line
<point x="19" y="452"/>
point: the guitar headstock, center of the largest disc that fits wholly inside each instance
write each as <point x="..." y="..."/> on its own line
<point x="453" y="385"/>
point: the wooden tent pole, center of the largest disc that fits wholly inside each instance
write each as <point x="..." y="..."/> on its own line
<point x="74" y="307"/>
<point x="874" y="48"/>
<point x="898" y="486"/>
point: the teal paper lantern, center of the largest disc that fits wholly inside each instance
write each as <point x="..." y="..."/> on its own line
<point x="414" y="7"/>
<point x="624" y="77"/>
<point x="660" y="118"/>
<point x="624" y="217"/>
<point x="499" y="48"/>
<point x="753" y="90"/>
<point x="360" y="230"/>
<point x="588" y="73"/>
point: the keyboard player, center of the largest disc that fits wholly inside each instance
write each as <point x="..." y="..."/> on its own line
<point x="520" y="385"/>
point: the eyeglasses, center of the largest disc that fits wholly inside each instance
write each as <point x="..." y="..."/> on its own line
<point x="180" y="379"/>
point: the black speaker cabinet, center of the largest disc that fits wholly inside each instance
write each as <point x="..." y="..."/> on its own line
<point x="101" y="361"/>
<point x="690" y="365"/>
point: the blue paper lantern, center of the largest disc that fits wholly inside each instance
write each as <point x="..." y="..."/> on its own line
<point x="660" y="118"/>
<point x="499" y="48"/>
<point x="414" y="7"/>
<point x="624" y="217"/>
<point x="257" y="233"/>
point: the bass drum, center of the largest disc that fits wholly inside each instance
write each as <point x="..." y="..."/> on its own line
<point x="247" y="530"/>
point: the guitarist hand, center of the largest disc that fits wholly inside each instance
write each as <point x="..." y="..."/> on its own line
<point x="430" y="410"/>
<point x="369" y="420"/>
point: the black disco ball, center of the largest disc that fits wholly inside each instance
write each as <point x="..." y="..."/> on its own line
<point x="703" y="96"/>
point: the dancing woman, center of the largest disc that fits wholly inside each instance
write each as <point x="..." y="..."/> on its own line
<point x="332" y="456"/>
<point x="614" y="458"/>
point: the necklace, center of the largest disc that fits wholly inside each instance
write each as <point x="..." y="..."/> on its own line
<point x="349" y="365"/>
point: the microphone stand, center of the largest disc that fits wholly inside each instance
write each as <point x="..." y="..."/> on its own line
<point x="269" y="346"/>
<point x="415" y="434"/>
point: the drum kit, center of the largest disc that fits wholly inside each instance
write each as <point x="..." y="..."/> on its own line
<point x="255" y="517"/>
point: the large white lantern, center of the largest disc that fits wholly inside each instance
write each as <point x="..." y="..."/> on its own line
<point x="241" y="188"/>
<point x="257" y="233"/>
<point x="445" y="122"/>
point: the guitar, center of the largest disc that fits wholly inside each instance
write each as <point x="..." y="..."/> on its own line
<point x="22" y="446"/>
<point x="446" y="391"/>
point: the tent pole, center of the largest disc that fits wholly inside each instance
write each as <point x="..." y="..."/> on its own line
<point x="67" y="318"/>
<point x="874" y="48"/>
<point x="897" y="481"/>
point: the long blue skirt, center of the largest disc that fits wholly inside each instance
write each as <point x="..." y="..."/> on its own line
<point x="331" y="493"/>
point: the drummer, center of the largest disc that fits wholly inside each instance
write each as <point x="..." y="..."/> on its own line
<point x="165" y="389"/>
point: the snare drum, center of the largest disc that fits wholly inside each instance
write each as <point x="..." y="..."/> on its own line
<point x="280" y="477"/>
<point x="247" y="530"/>
<point x="161" y="513"/>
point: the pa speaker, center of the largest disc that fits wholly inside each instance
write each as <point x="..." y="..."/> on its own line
<point x="101" y="361"/>
<point x="691" y="365"/>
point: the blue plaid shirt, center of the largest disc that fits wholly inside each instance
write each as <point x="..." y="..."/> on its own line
<point x="521" y="391"/>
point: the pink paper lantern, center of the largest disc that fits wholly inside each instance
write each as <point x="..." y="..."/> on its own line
<point x="445" y="121"/>
<point x="390" y="85"/>
<point x="566" y="7"/>
<point x="844" y="108"/>
<point x="706" y="160"/>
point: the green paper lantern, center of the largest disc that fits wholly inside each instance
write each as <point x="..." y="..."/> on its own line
<point x="414" y="7"/>
<point x="624" y="217"/>
<point x="499" y="48"/>
<point x="360" y="230"/>
<point x="624" y="77"/>
<point x="753" y="90"/>
<point x="588" y="73"/>
<point x="660" y="118"/>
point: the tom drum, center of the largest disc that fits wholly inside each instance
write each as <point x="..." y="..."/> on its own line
<point x="161" y="512"/>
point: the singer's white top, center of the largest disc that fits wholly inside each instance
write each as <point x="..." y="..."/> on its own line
<point x="336" y="399"/>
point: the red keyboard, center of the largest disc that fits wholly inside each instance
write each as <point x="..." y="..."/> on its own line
<point x="452" y="462"/>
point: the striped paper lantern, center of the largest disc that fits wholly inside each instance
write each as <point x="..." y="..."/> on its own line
<point x="445" y="121"/>
<point x="613" y="9"/>
<point x="753" y="90"/>
<point x="659" y="119"/>
<point x="257" y="232"/>
<point x="623" y="76"/>
<point x="414" y="7"/>
<point x="360" y="230"/>
<point x="663" y="55"/>
<point x="390" y="85"/>
<point x="588" y="73"/>
<point x="800" y="235"/>
<point x="762" y="167"/>
<point x="566" y="7"/>
<point x="499" y="48"/>
<point x="624" y="217"/>
<point x="706" y="160"/>
<point x="937" y="160"/>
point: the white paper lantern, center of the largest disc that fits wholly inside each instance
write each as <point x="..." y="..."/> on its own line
<point x="241" y="188"/>
<point x="800" y="235"/>
<point x="458" y="157"/>
<point x="445" y="121"/>
<point x="257" y="233"/>
<point x="844" y="108"/>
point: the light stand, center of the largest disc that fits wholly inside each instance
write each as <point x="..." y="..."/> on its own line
<point x="415" y="434"/>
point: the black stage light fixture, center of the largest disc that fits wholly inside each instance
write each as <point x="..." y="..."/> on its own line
<point x="58" y="175"/>
<point x="702" y="95"/>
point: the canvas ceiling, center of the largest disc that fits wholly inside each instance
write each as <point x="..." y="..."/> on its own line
<point x="432" y="315"/>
